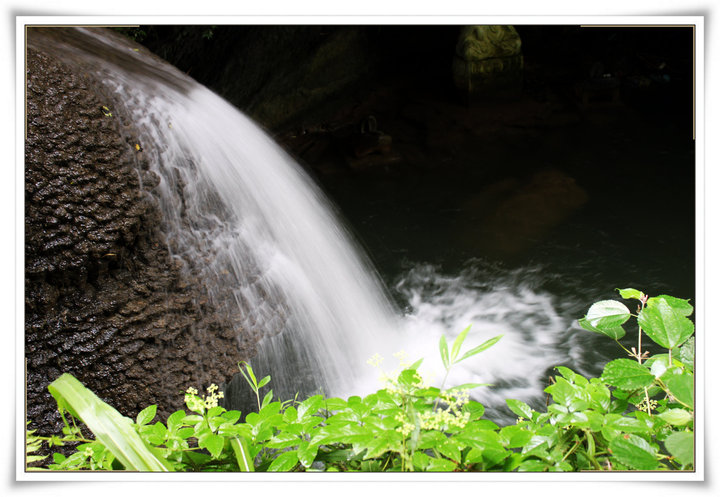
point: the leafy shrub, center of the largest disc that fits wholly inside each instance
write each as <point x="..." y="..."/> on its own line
<point x="637" y="416"/>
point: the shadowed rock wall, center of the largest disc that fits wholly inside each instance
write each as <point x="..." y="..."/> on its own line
<point x="104" y="301"/>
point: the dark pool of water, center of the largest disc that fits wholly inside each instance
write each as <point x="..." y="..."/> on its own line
<point x="637" y="228"/>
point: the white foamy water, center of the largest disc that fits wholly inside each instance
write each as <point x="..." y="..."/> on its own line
<point x="492" y="304"/>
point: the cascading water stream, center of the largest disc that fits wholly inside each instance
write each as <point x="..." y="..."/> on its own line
<point x="241" y="212"/>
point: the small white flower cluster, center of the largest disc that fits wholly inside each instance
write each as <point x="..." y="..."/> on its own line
<point x="646" y="406"/>
<point x="200" y="404"/>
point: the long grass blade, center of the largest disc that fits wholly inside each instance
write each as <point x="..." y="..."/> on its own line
<point x="110" y="428"/>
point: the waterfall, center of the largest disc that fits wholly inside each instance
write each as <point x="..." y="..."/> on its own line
<point x="235" y="205"/>
<point x="239" y="211"/>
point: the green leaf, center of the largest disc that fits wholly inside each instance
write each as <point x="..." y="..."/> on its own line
<point x="572" y="376"/>
<point x="416" y="364"/>
<point x="681" y="446"/>
<point x="449" y="448"/>
<point x="267" y="399"/>
<point x="146" y="415"/>
<point x="562" y="391"/>
<point x="682" y="306"/>
<point x="264" y="382"/>
<point x="520" y="408"/>
<point x="686" y="353"/>
<point x="625" y="424"/>
<point x="191" y="419"/>
<point x="231" y="416"/>
<point x="467" y="386"/>
<point x="443" y="465"/>
<point x="457" y="343"/>
<point x="476" y="409"/>
<point x="307" y="453"/>
<point x="627" y="374"/>
<point x="607" y="314"/>
<point x="634" y="451"/>
<point x="290" y="415"/>
<point x="175" y="420"/>
<point x="515" y="436"/>
<point x="532" y="465"/>
<point x="444" y="352"/>
<point x="110" y="428"/>
<point x="676" y="417"/>
<point x="214" y="444"/>
<point x="252" y="381"/>
<point x="285" y="461"/>
<point x="614" y="332"/>
<point x="420" y="460"/>
<point x="483" y="346"/>
<point x="242" y="454"/>
<point x="630" y="293"/>
<point x="665" y="325"/>
<point x="681" y="387"/>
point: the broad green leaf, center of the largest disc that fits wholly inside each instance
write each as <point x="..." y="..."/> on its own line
<point x="634" y="451"/>
<point x="335" y="404"/>
<point x="284" y="462"/>
<point x="681" y="387"/>
<point x="676" y="417"/>
<point x="686" y="353"/>
<point x="283" y="440"/>
<point x="444" y="355"/>
<point x="532" y="465"/>
<point x="443" y="465"/>
<point x="630" y="293"/>
<point x="625" y="424"/>
<point x="215" y="411"/>
<point x="310" y="406"/>
<point x="657" y="368"/>
<point x="665" y="325"/>
<point x="191" y="419"/>
<point x="681" y="446"/>
<point x="146" y="415"/>
<point x="231" y="416"/>
<point x="627" y="374"/>
<point x="457" y="343"/>
<point x="607" y="314"/>
<point x="572" y="376"/>
<point x="290" y="415"/>
<point x="307" y="453"/>
<point x="562" y="391"/>
<point x="430" y="439"/>
<point x="483" y="346"/>
<point x="614" y="332"/>
<point x="110" y="428"/>
<point x="520" y="408"/>
<point x="515" y="436"/>
<point x="599" y="395"/>
<point x="682" y="306"/>
<point x="213" y="443"/>
<point x="476" y="409"/>
<point x="174" y="421"/>
<point x="450" y="449"/>
<point x="420" y="460"/>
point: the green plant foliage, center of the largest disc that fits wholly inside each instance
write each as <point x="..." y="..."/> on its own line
<point x="637" y="416"/>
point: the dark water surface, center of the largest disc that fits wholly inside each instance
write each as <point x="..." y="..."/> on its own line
<point x="637" y="228"/>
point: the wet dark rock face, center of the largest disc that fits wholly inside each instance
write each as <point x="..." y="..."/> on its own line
<point x="103" y="299"/>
